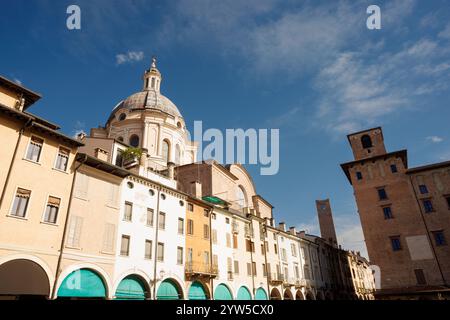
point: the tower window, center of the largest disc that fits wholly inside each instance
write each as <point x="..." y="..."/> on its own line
<point x="439" y="238"/>
<point x="394" y="168"/>
<point x="359" y="175"/>
<point x="134" y="141"/>
<point x="420" y="276"/>
<point x="122" y="116"/>
<point x="366" y="141"/>
<point x="423" y="189"/>
<point x="428" y="206"/>
<point x="387" y="211"/>
<point x="396" y="245"/>
<point x="382" y="195"/>
<point x="153" y="83"/>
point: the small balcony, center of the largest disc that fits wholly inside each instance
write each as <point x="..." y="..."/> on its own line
<point x="276" y="278"/>
<point x="200" y="269"/>
<point x="289" y="282"/>
<point x="299" y="283"/>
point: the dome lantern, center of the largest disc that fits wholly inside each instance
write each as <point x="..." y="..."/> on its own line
<point x="152" y="77"/>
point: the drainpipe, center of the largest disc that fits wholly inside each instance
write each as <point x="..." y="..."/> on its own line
<point x="428" y="232"/>
<point x="211" y="282"/>
<point x="265" y="260"/>
<point x="156" y="243"/>
<point x="251" y="257"/>
<point x="66" y="224"/>
<point x="21" y="131"/>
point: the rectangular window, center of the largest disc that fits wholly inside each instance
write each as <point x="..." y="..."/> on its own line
<point x="439" y="238"/>
<point x="190" y="227"/>
<point x="250" y="245"/>
<point x="387" y="213"/>
<point x="148" y="249"/>
<point x="293" y="250"/>
<point x="74" y="232"/>
<point x="205" y="231"/>
<point x="190" y="207"/>
<point x="160" y="252"/>
<point x="297" y="273"/>
<point x="275" y="248"/>
<point x="249" y="269"/>
<point x="420" y="276"/>
<point x="235" y="241"/>
<point x="283" y="254"/>
<point x="264" y="270"/>
<point x="213" y="216"/>
<point x="128" y="211"/>
<point x="20" y="204"/>
<point x="214" y="236"/>
<point x="206" y="213"/>
<point x="228" y="240"/>
<point x="119" y="158"/>
<point x="395" y="242"/>
<point x="150" y="215"/>
<point x="266" y="244"/>
<point x="62" y="159"/>
<point x="227" y="220"/>
<point x="190" y="254"/>
<point x="125" y="246"/>
<point x="254" y="268"/>
<point x="236" y="267"/>
<point x="206" y="258"/>
<point x="428" y="206"/>
<point x="423" y="189"/>
<point x="382" y="195"/>
<point x="51" y="211"/>
<point x="359" y="175"/>
<point x="34" y="149"/>
<point x="229" y="265"/>
<point x="162" y="221"/>
<point x="262" y="248"/>
<point x="180" y="226"/>
<point x="394" y="168"/>
<point x="268" y="269"/>
<point x="179" y="255"/>
<point x="109" y="238"/>
<point x="215" y="260"/>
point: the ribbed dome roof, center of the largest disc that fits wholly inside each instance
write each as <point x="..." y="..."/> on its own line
<point x="149" y="99"/>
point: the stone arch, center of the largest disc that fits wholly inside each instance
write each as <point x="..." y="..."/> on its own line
<point x="244" y="293"/>
<point x="287" y="295"/>
<point x="275" y="294"/>
<point x="224" y="285"/>
<point x="366" y="141"/>
<point x="166" y="151"/>
<point x="134" y="141"/>
<point x="141" y="275"/>
<point x="309" y="295"/>
<point x="176" y="283"/>
<point x="299" y="295"/>
<point x="204" y="287"/>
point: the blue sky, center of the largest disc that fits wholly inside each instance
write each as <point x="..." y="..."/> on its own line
<point x="310" y="68"/>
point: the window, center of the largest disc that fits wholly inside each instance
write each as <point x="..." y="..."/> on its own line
<point x="235" y="241"/>
<point x="227" y="220"/>
<point x="266" y="244"/>
<point x="119" y="158"/>
<point x="359" y="175"/>
<point x="250" y="245"/>
<point x="448" y="201"/>
<point x="34" y="149"/>
<point x="180" y="226"/>
<point x="206" y="258"/>
<point x="74" y="232"/>
<point x="439" y="238"/>
<point x="20" y="204"/>
<point x="130" y="185"/>
<point x="134" y="141"/>
<point x="262" y="248"/>
<point x="274" y="236"/>
<point x="128" y="211"/>
<point x="148" y="249"/>
<point x="190" y="254"/>
<point x="366" y="141"/>
<point x="395" y="242"/>
<point x="162" y="221"/>
<point x="264" y="270"/>
<point x="51" y="211"/>
<point x="206" y="213"/>
<point x="122" y="116"/>
<point x="120" y="139"/>
<point x="62" y="159"/>
<point x="179" y="255"/>
<point x="213" y="216"/>
<point x="150" y="216"/>
<point x="228" y="240"/>
<point x="254" y="268"/>
<point x="249" y="269"/>
<point x="293" y="250"/>
<point x="296" y="271"/>
<point x="163" y="196"/>
<point x="387" y="213"/>
<point x="423" y="189"/>
<point x="420" y="276"/>
<point x="165" y="151"/>
<point x="181" y="203"/>
<point x="394" y="168"/>
<point x="206" y="231"/>
<point x="190" y="207"/>
<point x="109" y="238"/>
<point x="214" y="236"/>
<point x="382" y="195"/>
<point x="428" y="206"/>
<point x="283" y="254"/>
<point x="125" y="246"/>
<point x="190" y="227"/>
<point x="236" y="267"/>
<point x="160" y="253"/>
<point x="275" y="248"/>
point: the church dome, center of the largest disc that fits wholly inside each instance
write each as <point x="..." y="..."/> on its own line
<point x="149" y="99"/>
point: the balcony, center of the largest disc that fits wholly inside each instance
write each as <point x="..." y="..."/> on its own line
<point x="276" y="278"/>
<point x="201" y="269"/>
<point x="299" y="283"/>
<point x="288" y="282"/>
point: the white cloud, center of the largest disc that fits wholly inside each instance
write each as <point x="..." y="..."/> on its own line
<point x="129" y="57"/>
<point x="445" y="33"/>
<point x="349" y="233"/>
<point x="435" y="139"/>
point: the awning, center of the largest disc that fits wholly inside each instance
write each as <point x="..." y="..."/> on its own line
<point x="222" y="293"/>
<point x="197" y="292"/>
<point x="260" y="294"/>
<point x="130" y="288"/>
<point x="167" y="291"/>
<point x="244" y="294"/>
<point x="83" y="283"/>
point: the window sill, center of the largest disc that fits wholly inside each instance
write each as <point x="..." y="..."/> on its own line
<point x="72" y="247"/>
<point x="50" y="223"/>
<point x="124" y="255"/>
<point x="112" y="206"/>
<point x="17" y="217"/>
<point x="31" y="161"/>
<point x="109" y="253"/>
<point x="60" y="171"/>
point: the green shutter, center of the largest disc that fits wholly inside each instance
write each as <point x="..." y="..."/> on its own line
<point x="261" y="294"/>
<point x="197" y="292"/>
<point x="244" y="294"/>
<point x="130" y="288"/>
<point x="222" y="293"/>
<point x="167" y="291"/>
<point x="82" y="283"/>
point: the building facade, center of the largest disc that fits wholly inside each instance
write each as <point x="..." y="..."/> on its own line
<point x="404" y="215"/>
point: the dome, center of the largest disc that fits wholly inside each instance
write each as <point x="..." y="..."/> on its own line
<point x="149" y="99"/>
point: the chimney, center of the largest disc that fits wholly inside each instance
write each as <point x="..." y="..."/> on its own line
<point x="81" y="136"/>
<point x="196" y="189"/>
<point x="143" y="157"/>
<point x="101" y="154"/>
<point x="293" y="231"/>
<point x="302" y="233"/>
<point x="171" y="170"/>
<point x="282" y="226"/>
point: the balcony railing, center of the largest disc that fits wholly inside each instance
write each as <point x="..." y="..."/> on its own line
<point x="201" y="268"/>
<point x="300" y="283"/>
<point x="276" y="278"/>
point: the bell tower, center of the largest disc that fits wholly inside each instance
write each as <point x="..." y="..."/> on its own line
<point x="367" y="144"/>
<point x="152" y="78"/>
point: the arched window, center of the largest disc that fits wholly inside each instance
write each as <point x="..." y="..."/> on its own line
<point x="241" y="198"/>
<point x="165" y="150"/>
<point x="120" y="139"/>
<point x="366" y="141"/>
<point x="177" y="154"/>
<point x="122" y="116"/>
<point x="134" y="141"/>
